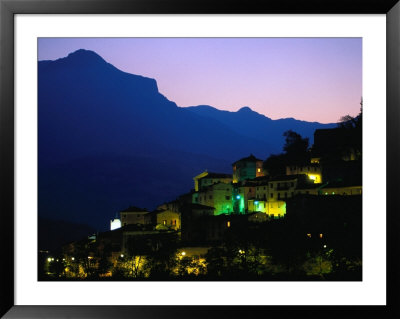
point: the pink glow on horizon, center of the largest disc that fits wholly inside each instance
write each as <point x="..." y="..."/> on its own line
<point x="311" y="79"/>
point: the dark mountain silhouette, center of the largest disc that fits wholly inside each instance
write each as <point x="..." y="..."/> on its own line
<point x="254" y="125"/>
<point x="109" y="139"/>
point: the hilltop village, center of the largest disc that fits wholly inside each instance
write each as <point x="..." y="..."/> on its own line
<point x="307" y="208"/>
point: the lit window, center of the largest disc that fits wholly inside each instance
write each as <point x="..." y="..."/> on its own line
<point x="228" y="224"/>
<point x="259" y="170"/>
<point x="164" y="222"/>
<point x="309" y="235"/>
<point x="321" y="235"/>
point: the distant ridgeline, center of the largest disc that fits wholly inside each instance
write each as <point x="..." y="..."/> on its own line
<point x="108" y="139"/>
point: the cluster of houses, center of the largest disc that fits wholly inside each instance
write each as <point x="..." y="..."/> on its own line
<point x="248" y="197"/>
<point x="249" y="194"/>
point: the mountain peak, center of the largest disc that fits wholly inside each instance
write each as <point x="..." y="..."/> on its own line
<point x="84" y="52"/>
<point x="85" y="56"/>
<point x="245" y="109"/>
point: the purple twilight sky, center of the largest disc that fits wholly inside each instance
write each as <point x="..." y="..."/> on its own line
<point x="311" y="79"/>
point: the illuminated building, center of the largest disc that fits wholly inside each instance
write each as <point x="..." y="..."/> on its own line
<point x="257" y="205"/>
<point x="115" y="224"/>
<point x="217" y="195"/>
<point x="208" y="178"/>
<point x="282" y="188"/>
<point x="247" y="168"/>
<point x="172" y="206"/>
<point x="168" y="219"/>
<point x="271" y="193"/>
<point x="238" y="201"/>
<point x="246" y="190"/>
<point x="134" y="216"/>
<point x="261" y="191"/>
<point x="312" y="170"/>
<point x="276" y="209"/>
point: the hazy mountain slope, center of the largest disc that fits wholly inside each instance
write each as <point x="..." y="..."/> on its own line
<point x="254" y="125"/>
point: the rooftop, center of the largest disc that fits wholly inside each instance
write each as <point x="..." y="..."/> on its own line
<point x="217" y="175"/>
<point x="208" y="187"/>
<point x="250" y="158"/>
<point x="133" y="209"/>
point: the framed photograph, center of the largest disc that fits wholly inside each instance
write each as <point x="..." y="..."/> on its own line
<point x="256" y="138"/>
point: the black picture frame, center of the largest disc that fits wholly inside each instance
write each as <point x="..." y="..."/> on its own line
<point x="8" y="10"/>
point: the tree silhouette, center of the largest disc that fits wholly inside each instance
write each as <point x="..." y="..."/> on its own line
<point x="295" y="153"/>
<point x="296" y="148"/>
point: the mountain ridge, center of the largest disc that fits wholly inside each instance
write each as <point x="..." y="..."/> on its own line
<point x="98" y="123"/>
